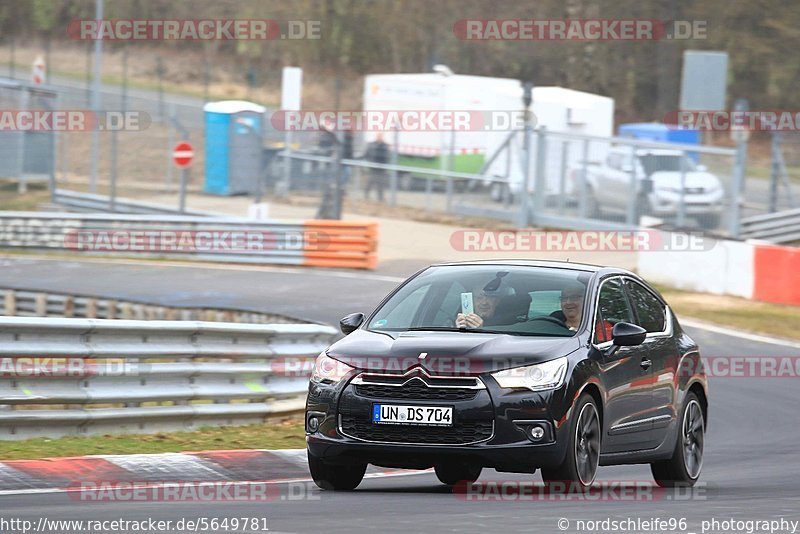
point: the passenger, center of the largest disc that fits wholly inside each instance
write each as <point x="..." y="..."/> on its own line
<point x="485" y="301"/>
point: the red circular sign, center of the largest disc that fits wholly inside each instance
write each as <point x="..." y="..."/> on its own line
<point x="182" y="155"/>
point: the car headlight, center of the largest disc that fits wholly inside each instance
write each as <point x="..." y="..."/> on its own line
<point x="539" y="377"/>
<point x="328" y="370"/>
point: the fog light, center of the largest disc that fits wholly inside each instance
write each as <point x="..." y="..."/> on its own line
<point x="537" y="433"/>
<point x="313" y="424"/>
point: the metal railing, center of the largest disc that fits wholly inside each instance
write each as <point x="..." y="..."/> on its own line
<point x="22" y="303"/>
<point x="89" y="376"/>
<point x="90" y="203"/>
<point x="564" y="180"/>
<point x="779" y="227"/>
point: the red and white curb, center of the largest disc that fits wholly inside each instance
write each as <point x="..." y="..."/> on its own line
<point x="247" y="466"/>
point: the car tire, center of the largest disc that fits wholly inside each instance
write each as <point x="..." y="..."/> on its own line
<point x="335" y="477"/>
<point x="451" y="474"/>
<point x="579" y="468"/>
<point x="686" y="463"/>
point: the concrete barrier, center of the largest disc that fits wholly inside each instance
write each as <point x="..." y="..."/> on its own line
<point x="749" y="269"/>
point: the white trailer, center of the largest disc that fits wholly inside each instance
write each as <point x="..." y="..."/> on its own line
<point x="556" y="108"/>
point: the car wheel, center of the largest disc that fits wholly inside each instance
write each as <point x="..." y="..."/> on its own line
<point x="335" y="477"/>
<point x="451" y="474"/>
<point x="683" y="469"/>
<point x="583" y="450"/>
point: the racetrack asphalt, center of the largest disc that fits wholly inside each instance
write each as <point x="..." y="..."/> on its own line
<point x="751" y="461"/>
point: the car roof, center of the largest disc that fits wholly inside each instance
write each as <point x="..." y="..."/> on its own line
<point x="585" y="267"/>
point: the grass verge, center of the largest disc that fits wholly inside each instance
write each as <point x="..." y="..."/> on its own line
<point x="288" y="434"/>
<point x="736" y="313"/>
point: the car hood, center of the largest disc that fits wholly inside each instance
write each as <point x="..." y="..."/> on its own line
<point x="693" y="180"/>
<point x="447" y="353"/>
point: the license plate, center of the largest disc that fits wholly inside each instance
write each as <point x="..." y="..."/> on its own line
<point x="412" y="415"/>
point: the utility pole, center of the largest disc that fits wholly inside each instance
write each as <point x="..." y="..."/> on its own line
<point x="96" y="104"/>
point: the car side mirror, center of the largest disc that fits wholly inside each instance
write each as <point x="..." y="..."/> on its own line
<point x="628" y="335"/>
<point x="351" y="322"/>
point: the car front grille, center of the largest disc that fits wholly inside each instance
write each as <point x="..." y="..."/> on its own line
<point x="462" y="433"/>
<point x="415" y="390"/>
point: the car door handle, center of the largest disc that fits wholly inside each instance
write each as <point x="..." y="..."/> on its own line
<point x="646" y="363"/>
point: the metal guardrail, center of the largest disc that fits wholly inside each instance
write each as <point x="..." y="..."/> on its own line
<point x="146" y="376"/>
<point x="779" y="227"/>
<point x="317" y="243"/>
<point x="21" y="303"/>
<point x="90" y="203"/>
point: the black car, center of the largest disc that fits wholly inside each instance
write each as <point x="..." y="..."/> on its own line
<point x="512" y="365"/>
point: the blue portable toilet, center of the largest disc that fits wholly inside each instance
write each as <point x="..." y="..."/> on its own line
<point x="666" y="133"/>
<point x="234" y="139"/>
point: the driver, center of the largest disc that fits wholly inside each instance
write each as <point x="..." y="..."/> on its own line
<point x="571" y="306"/>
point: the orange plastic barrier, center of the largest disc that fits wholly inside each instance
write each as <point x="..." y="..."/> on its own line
<point x="352" y="245"/>
<point x="777" y="274"/>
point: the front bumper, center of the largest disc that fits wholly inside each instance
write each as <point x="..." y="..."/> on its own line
<point x="490" y="429"/>
<point x="668" y="203"/>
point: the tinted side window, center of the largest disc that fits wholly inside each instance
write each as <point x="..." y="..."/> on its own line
<point x="612" y="309"/>
<point x="651" y="313"/>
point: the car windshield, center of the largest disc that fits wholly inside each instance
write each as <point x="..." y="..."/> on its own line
<point x="665" y="162"/>
<point x="502" y="299"/>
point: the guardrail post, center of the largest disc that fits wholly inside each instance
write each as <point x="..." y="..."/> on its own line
<point x="10" y="302"/>
<point x="393" y="176"/>
<point x="540" y="187"/>
<point x="525" y="198"/>
<point x="633" y="191"/>
<point x="584" y="181"/>
<point x="681" y="219"/>
<point x="69" y="306"/>
<point x="41" y="304"/>
<point x="91" y="308"/>
<point x="736" y="189"/>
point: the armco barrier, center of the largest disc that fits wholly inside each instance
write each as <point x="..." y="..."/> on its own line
<point x="147" y="376"/>
<point x="21" y="303"/>
<point x="314" y="242"/>
<point x="749" y="269"/>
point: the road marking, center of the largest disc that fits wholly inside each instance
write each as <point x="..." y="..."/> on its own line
<point x="386" y="474"/>
<point x="212" y="266"/>
<point x="735" y="333"/>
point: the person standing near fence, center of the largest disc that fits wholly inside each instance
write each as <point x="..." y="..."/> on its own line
<point x="377" y="152"/>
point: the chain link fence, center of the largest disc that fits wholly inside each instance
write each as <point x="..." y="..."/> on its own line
<point x="569" y="181"/>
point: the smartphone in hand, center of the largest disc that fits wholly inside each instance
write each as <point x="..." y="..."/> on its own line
<point x="466" y="304"/>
